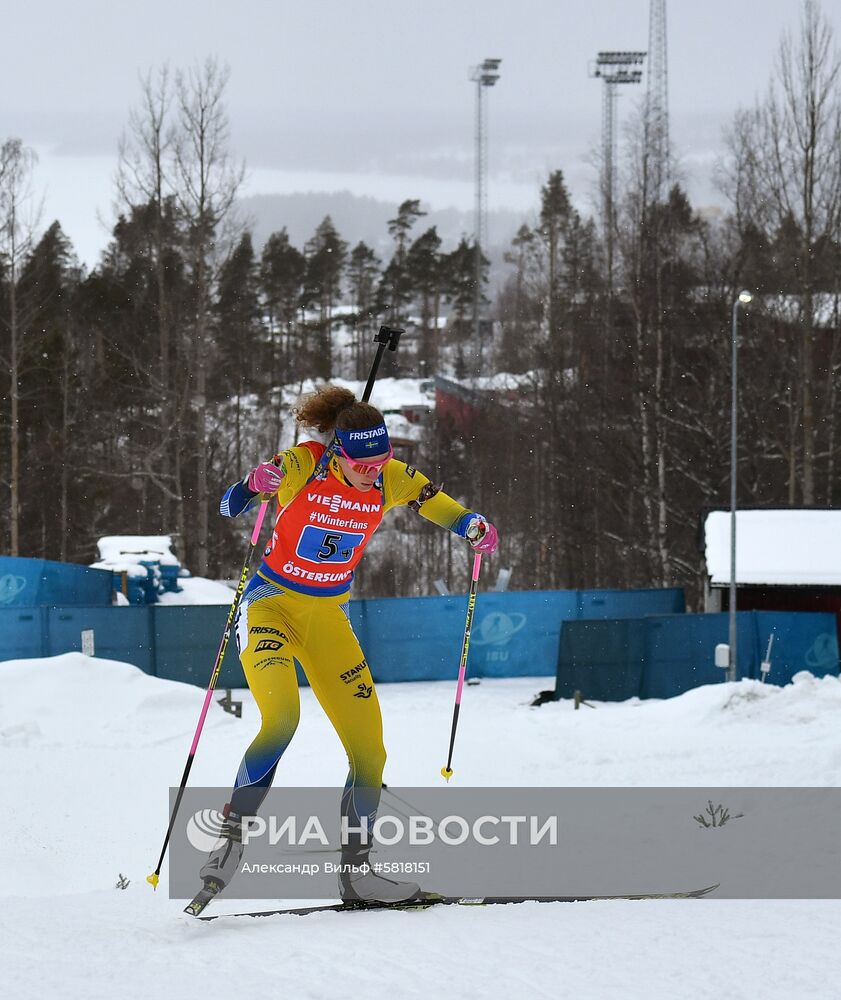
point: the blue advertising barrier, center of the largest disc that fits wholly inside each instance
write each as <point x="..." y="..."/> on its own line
<point x="29" y="583"/>
<point x="663" y="656"/>
<point x="126" y="633"/>
<point x="187" y="640"/>
<point x="514" y="633"/>
<point x="22" y="632"/>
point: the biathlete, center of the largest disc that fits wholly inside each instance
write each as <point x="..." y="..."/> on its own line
<point x="329" y="504"/>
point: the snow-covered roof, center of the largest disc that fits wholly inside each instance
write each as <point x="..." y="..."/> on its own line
<point x="388" y="393"/>
<point x="400" y="429"/>
<point x="788" y="308"/>
<point x="776" y="547"/>
<point x="153" y="548"/>
<point x="500" y="382"/>
<point x="439" y="322"/>
<point x="825" y="305"/>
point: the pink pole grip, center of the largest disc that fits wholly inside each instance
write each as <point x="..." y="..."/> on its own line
<point x="258" y="524"/>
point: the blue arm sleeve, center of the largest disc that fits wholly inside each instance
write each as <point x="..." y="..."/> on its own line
<point x="460" y="527"/>
<point x="237" y="498"/>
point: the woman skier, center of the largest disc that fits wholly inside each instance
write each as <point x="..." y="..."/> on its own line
<point x="329" y="503"/>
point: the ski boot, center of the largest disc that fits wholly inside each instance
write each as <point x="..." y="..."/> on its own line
<point x="222" y="863"/>
<point x="359" y="883"/>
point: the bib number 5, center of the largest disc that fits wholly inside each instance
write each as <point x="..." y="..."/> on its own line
<point x="320" y="546"/>
<point x="329" y="546"/>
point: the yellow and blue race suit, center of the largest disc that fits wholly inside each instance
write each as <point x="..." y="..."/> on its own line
<point x="296" y="608"/>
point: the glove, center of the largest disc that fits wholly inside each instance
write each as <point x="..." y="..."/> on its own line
<point x="482" y="535"/>
<point x="266" y="478"/>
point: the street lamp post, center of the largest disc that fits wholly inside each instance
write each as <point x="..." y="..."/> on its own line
<point x="743" y="298"/>
<point x="484" y="75"/>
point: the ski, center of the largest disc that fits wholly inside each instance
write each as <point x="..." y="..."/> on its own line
<point x="429" y="900"/>
<point x="208" y="891"/>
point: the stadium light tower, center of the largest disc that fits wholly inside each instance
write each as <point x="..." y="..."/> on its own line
<point x="614" y="69"/>
<point x="485" y="75"/>
<point x="657" y="101"/>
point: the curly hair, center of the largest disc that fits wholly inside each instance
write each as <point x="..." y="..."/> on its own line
<point x="331" y="406"/>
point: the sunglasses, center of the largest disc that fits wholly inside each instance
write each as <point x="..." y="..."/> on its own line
<point x="365" y="468"/>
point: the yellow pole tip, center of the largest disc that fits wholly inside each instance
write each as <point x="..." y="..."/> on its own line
<point x="153" y="879"/>
<point x="446" y="772"/>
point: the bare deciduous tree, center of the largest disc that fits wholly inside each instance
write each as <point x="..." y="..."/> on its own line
<point x="206" y="181"/>
<point x="18" y="221"/>
<point x="785" y="176"/>
<point x="143" y="182"/>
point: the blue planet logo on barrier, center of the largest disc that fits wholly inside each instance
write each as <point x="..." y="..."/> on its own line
<point x="10" y="587"/>
<point x="497" y="628"/>
<point x="823" y="652"/>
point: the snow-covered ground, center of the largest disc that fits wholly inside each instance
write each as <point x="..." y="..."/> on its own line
<point x="89" y="747"/>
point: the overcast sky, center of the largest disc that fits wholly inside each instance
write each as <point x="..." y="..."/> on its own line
<point x="373" y="96"/>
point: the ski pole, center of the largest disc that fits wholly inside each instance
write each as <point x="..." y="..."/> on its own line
<point x="388" y="336"/>
<point x="447" y="771"/>
<point x="154" y="878"/>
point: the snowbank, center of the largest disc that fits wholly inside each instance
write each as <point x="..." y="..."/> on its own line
<point x="89" y="749"/>
<point x="75" y="701"/>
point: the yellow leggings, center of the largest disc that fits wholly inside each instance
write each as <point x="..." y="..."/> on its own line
<point x="273" y="626"/>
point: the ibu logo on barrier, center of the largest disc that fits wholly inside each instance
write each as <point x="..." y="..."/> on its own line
<point x="496" y="630"/>
<point x="823" y="652"/>
<point x="10" y="587"/>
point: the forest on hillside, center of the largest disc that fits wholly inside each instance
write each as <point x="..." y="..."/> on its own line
<point x="134" y="393"/>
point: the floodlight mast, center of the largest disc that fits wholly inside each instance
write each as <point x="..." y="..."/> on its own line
<point x="614" y="69"/>
<point x="484" y="75"/>
<point x="657" y="102"/>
